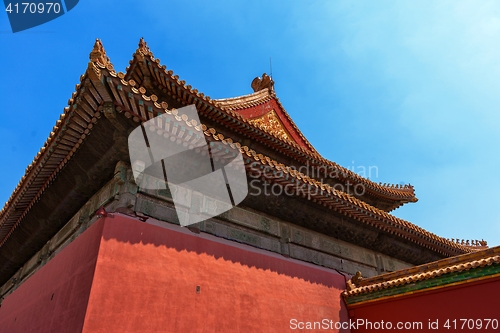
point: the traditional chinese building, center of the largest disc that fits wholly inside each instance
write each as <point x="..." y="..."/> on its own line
<point x="83" y="248"/>
<point x="453" y="294"/>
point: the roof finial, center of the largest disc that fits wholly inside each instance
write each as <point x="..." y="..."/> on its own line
<point x="354" y="282"/>
<point x="143" y="46"/>
<point x="259" y="84"/>
<point x="271" y="67"/>
<point x="98" y="53"/>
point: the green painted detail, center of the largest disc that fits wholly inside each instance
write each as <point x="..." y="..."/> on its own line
<point x="84" y="213"/>
<point x="121" y="174"/>
<point x="165" y="193"/>
<point x="132" y="188"/>
<point x="225" y="215"/>
<point x="148" y="208"/>
<point x="242" y="236"/>
<point x="297" y="237"/>
<point x="265" y="224"/>
<point x="439" y="281"/>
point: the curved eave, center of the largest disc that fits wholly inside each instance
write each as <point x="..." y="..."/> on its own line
<point x="73" y="126"/>
<point x="222" y="111"/>
<point x="245" y="101"/>
<point x="320" y="193"/>
<point x="65" y="138"/>
<point x="78" y="122"/>
<point x="436" y="269"/>
<point x="401" y="194"/>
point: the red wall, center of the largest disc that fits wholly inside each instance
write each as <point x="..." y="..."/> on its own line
<point x="55" y="298"/>
<point x="475" y="300"/>
<point x="146" y="279"/>
<point x="123" y="275"/>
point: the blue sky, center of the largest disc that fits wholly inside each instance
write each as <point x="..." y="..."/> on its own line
<point x="409" y="87"/>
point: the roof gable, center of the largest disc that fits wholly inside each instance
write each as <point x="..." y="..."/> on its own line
<point x="272" y="123"/>
<point x="264" y="110"/>
<point x="150" y="75"/>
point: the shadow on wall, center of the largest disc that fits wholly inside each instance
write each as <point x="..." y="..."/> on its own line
<point x="163" y="234"/>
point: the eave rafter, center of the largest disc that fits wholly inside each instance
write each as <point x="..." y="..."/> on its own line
<point x="69" y="132"/>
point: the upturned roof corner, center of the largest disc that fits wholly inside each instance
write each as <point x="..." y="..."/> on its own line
<point x="98" y="54"/>
<point x="143" y="47"/>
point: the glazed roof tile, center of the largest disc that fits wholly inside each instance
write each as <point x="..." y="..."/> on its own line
<point x="245" y="101"/>
<point x="319" y="192"/>
<point x="435" y="269"/>
<point x="77" y="122"/>
<point x="400" y="193"/>
<point x="263" y="96"/>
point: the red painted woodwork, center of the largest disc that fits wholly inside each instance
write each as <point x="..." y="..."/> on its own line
<point x="475" y="300"/>
<point x="55" y="298"/>
<point x="260" y="110"/>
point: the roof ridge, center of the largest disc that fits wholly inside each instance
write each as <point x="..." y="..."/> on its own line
<point x="143" y="46"/>
<point x="407" y="192"/>
<point x="241" y="98"/>
<point x="98" y="54"/>
<point x="391" y="219"/>
<point x="260" y="97"/>
<point x="395" y="187"/>
<point x="326" y="195"/>
<point x="454" y="264"/>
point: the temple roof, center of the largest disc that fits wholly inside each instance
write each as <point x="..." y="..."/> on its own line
<point x="449" y="271"/>
<point x="257" y="106"/>
<point x="242" y="114"/>
<point x="102" y="87"/>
